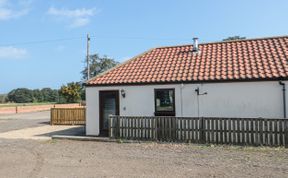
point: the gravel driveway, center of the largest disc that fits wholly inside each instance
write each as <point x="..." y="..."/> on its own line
<point x="21" y="156"/>
<point x="62" y="158"/>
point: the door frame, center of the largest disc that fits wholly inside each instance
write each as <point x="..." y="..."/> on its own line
<point x="101" y="98"/>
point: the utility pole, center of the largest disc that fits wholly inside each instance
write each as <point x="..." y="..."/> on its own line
<point x="88" y="57"/>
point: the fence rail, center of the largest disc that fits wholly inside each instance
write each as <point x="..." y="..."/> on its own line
<point x="68" y="116"/>
<point x="238" y="131"/>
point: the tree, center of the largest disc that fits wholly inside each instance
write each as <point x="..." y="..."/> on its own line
<point x="37" y="96"/>
<point x="234" y="38"/>
<point x="49" y="95"/>
<point x="98" y="65"/>
<point x="71" y="92"/>
<point x="20" y="95"/>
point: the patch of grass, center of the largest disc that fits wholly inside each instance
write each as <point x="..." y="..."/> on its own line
<point x="238" y="147"/>
<point x="52" y="141"/>
<point x="119" y="141"/>
<point x="262" y="148"/>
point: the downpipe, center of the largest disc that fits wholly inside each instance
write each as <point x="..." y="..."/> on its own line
<point x="284" y="97"/>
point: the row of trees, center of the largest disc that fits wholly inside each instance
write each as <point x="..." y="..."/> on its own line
<point x="25" y="95"/>
<point x="70" y="93"/>
<point x="234" y="38"/>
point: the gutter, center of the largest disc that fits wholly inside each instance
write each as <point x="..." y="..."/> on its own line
<point x="181" y="97"/>
<point x="284" y="97"/>
<point x="184" y="82"/>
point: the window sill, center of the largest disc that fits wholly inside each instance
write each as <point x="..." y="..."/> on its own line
<point x="164" y="113"/>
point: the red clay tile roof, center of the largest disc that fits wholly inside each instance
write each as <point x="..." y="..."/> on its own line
<point x="253" y="59"/>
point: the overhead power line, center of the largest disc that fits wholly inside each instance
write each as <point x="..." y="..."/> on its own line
<point x="94" y="37"/>
<point x="41" y="41"/>
<point x="138" y="38"/>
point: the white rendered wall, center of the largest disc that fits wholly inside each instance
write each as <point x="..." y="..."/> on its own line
<point x="241" y="99"/>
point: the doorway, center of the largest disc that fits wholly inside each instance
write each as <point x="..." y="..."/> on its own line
<point x="109" y="104"/>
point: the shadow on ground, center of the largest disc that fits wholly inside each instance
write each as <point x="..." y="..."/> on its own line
<point x="44" y="123"/>
<point x="76" y="131"/>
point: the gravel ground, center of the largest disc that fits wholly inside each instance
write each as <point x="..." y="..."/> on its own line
<point x="63" y="158"/>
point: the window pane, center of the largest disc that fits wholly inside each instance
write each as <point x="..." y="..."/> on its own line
<point x="109" y="108"/>
<point x="164" y="100"/>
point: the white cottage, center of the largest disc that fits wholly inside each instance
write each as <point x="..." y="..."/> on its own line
<point x="244" y="78"/>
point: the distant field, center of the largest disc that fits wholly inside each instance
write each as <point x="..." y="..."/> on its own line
<point x="33" y="107"/>
<point x="23" y="104"/>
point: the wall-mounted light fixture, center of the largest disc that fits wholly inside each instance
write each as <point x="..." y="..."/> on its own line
<point x="123" y="93"/>
<point x="197" y="90"/>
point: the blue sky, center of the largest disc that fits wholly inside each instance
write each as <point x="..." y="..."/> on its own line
<point x="43" y="43"/>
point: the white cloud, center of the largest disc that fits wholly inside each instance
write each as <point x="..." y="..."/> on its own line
<point x="13" y="9"/>
<point x="7" y="14"/>
<point x="77" y="17"/>
<point x="9" y="52"/>
<point x="72" y="13"/>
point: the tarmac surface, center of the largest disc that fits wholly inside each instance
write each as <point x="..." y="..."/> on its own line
<point x="35" y="125"/>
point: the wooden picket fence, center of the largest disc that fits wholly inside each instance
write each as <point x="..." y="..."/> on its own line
<point x="68" y="116"/>
<point x="238" y="131"/>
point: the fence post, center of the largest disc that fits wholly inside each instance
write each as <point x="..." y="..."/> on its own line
<point x="286" y="133"/>
<point x="110" y="129"/>
<point x="174" y="125"/>
<point x="155" y="128"/>
<point x="51" y="116"/>
<point x="202" y="129"/>
<point x="117" y="135"/>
